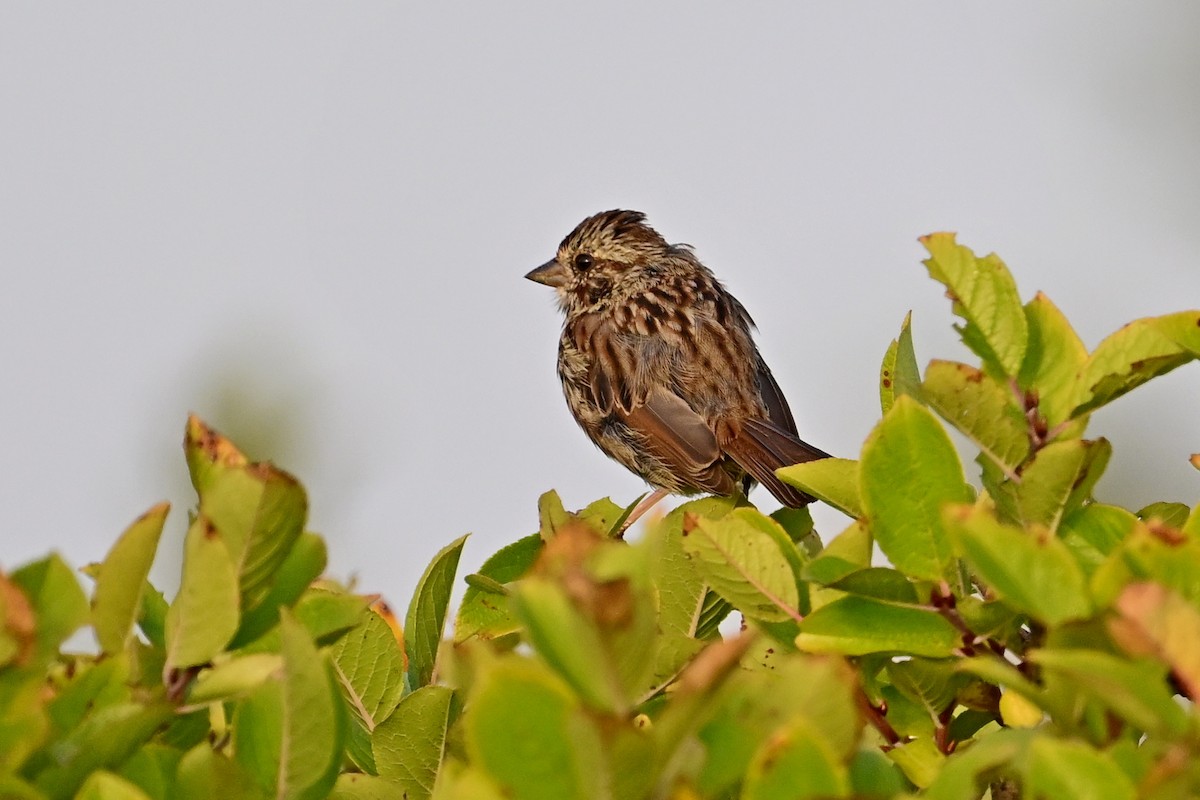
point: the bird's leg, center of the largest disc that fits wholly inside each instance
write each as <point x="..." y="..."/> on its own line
<point x="648" y="502"/>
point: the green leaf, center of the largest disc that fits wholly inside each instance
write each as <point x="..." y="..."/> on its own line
<point x="370" y="668"/>
<point x="92" y="687"/>
<point x="749" y="560"/>
<point x="24" y="723"/>
<point x="909" y="471"/>
<point x="846" y="553"/>
<point x="1192" y="526"/>
<point x="551" y="515"/>
<point x="964" y="771"/>
<point x="1053" y="358"/>
<point x="107" y="786"/>
<point x="619" y="602"/>
<point x="328" y="614"/>
<point x="1135" y="690"/>
<point x="485" y="614"/>
<point x="604" y="515"/>
<point x="919" y="759"/>
<point x="1153" y="554"/>
<point x="204" y="615"/>
<point x="356" y="786"/>
<point x="313" y="725"/>
<point x="878" y="582"/>
<point x="427" y="612"/>
<point x="985" y="296"/>
<point x="797" y="523"/>
<point x="304" y="564"/>
<point x="569" y="642"/>
<point x="152" y="769"/>
<point x="122" y="578"/>
<point x="258" y="509"/>
<point x="525" y="728"/>
<point x="672" y="653"/>
<point x="152" y="620"/>
<point x="985" y="411"/>
<point x="899" y="373"/>
<point x="57" y="600"/>
<point x="934" y="684"/>
<point x="795" y="762"/>
<point x="682" y="592"/>
<point x="1033" y="573"/>
<point x="13" y="788"/>
<point x="289" y="734"/>
<point x="714" y="609"/>
<point x="830" y="480"/>
<point x="467" y="783"/>
<point x="259" y="512"/>
<point x="1173" y="514"/>
<point x="1094" y="531"/>
<point x="257" y="734"/>
<point x="1059" y="479"/>
<point x="410" y="744"/>
<point x="104" y="740"/>
<point x="1138" y="352"/>
<point x="872" y="775"/>
<point x="855" y="626"/>
<point x="754" y="706"/>
<point x="1058" y="768"/>
<point x="204" y="775"/>
<point x="594" y="625"/>
<point x="235" y="678"/>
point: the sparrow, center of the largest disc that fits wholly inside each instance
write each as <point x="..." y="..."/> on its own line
<point x="659" y="367"/>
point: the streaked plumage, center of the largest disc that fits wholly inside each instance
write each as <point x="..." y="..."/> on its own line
<point x="658" y="365"/>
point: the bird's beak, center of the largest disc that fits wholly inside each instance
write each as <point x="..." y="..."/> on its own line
<point x="551" y="274"/>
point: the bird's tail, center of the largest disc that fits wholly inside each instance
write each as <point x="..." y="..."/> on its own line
<point x="761" y="448"/>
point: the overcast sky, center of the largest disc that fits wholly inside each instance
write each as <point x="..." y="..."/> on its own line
<point x="309" y="223"/>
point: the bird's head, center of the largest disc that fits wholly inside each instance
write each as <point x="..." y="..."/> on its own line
<point x="609" y="255"/>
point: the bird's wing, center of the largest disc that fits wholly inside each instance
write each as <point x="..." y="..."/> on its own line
<point x="627" y="380"/>
<point x="761" y="447"/>
<point x="680" y="439"/>
<point x="777" y="407"/>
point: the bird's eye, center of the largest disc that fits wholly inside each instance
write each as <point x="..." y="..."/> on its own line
<point x="583" y="262"/>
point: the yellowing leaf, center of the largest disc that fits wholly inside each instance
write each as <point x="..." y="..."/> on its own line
<point x="1154" y="620"/>
<point x="1138" y="352"/>
<point x="981" y="408"/>
<point x="830" y="480"/>
<point x="1059" y="479"/>
<point x="204" y="614"/>
<point x="122" y="579"/>
<point x="985" y="296"/>
<point x="1018" y="712"/>
<point x="1053" y="358"/>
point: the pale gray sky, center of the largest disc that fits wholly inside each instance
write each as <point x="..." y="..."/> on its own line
<point x="309" y="222"/>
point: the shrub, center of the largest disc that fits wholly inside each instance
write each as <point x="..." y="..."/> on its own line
<point x="1024" y="639"/>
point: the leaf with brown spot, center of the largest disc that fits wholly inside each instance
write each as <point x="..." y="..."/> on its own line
<point x="1156" y="621"/>
<point x="1135" y="354"/>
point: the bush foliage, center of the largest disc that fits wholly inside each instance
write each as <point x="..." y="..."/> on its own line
<point x="1024" y="638"/>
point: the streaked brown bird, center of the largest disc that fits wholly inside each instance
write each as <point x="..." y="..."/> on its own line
<point x="659" y="367"/>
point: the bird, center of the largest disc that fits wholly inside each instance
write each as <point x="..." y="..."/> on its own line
<point x="659" y="367"/>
